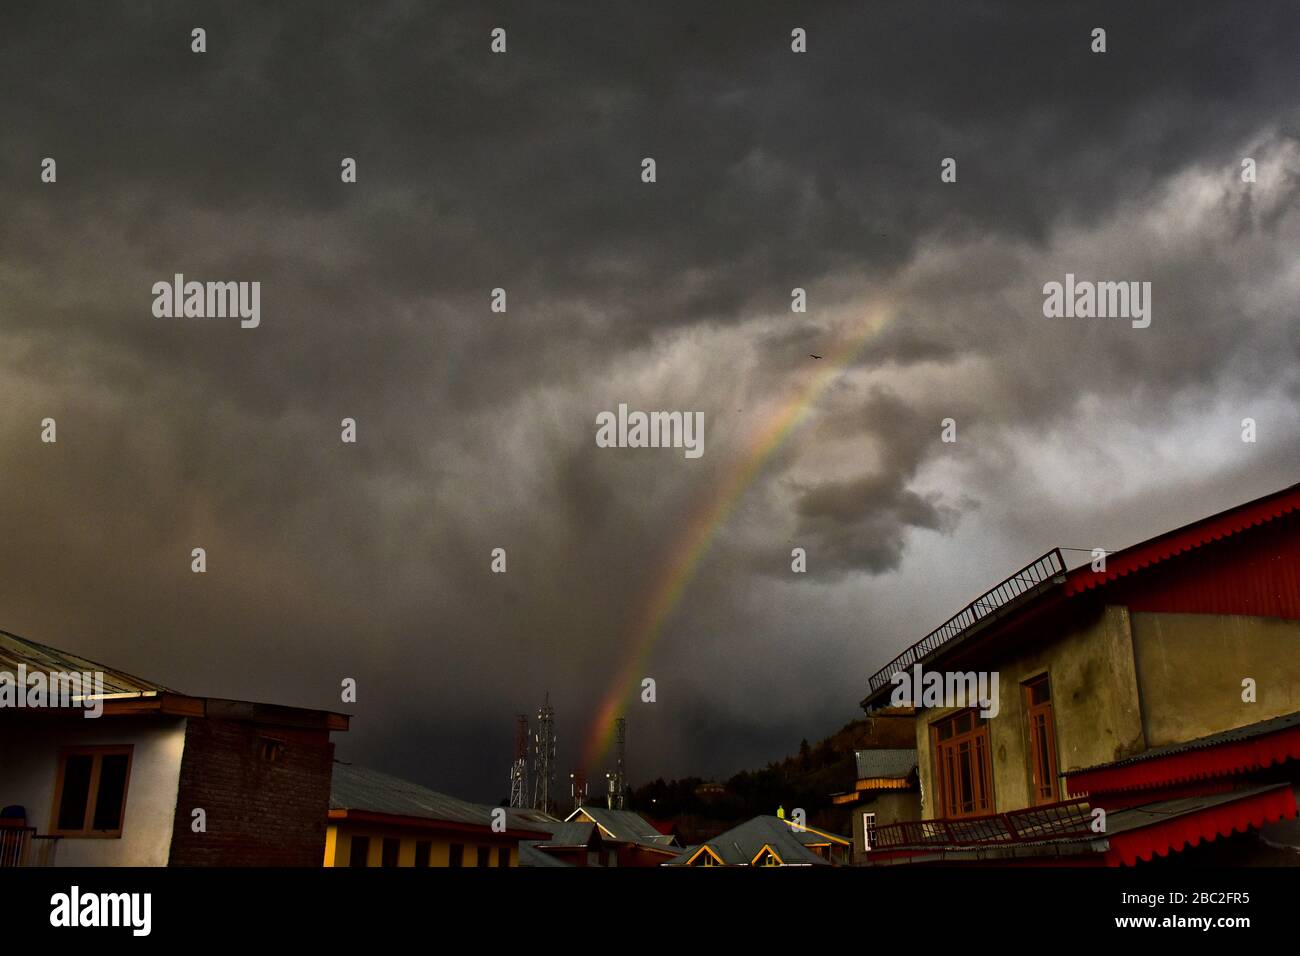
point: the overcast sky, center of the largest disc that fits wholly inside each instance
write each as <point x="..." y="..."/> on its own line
<point x="476" y="430"/>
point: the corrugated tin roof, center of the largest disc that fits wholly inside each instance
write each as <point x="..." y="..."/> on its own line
<point x="1252" y="514"/>
<point x="15" y="650"/>
<point x="1118" y="824"/>
<point x="529" y="855"/>
<point x="359" y="788"/>
<point x="739" y="845"/>
<point x="571" y="834"/>
<point x="626" y="826"/>
<point x="874" y="764"/>
<point x="1248" y="732"/>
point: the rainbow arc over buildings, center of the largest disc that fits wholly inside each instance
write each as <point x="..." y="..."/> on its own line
<point x="703" y="525"/>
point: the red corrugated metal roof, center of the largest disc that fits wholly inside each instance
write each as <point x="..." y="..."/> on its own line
<point x="1195" y="535"/>
<point x="1179" y="832"/>
<point x="1221" y="755"/>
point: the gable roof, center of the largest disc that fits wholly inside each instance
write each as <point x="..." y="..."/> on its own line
<point x="742" y="844"/>
<point x="624" y="826"/>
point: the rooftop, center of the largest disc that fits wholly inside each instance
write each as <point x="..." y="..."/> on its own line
<point x="1048" y="575"/>
<point x="876" y="764"/>
<point x="741" y="844"/>
<point x="16" y="651"/>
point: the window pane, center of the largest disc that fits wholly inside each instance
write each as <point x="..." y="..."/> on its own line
<point x="1039" y="691"/>
<point x="112" y="792"/>
<point x="76" y="791"/>
<point x="967" y="798"/>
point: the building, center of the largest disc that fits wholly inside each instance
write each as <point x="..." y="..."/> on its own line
<point x="577" y="843"/>
<point x="160" y="777"/>
<point x="1141" y="707"/>
<point x="598" y="836"/>
<point x="886" y="791"/>
<point x="767" y="841"/>
<point x="379" y="820"/>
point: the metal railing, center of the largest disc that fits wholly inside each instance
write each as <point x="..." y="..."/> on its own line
<point x="1028" y="578"/>
<point x="22" y="846"/>
<point x="1068" y="818"/>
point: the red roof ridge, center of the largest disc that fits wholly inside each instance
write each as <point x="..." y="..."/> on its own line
<point x="1216" y="527"/>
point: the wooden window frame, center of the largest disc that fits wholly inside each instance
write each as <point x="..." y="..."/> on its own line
<point x="97" y="753"/>
<point x="1048" y="712"/>
<point x="977" y="738"/>
<point x="868" y="829"/>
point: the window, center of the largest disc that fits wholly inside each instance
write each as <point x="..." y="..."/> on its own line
<point x="766" y="858"/>
<point x="359" y="851"/>
<point x="962" y="765"/>
<point x="90" y="791"/>
<point x="484" y="856"/>
<point x="1042" y="740"/>
<point x="389" y="852"/>
<point x="270" y="749"/>
<point x="423" y="851"/>
<point x="868" y="831"/>
<point x="503" y="856"/>
<point x="456" y="855"/>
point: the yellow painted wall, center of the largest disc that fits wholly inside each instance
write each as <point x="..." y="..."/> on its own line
<point x="338" y="839"/>
<point x="1190" y="669"/>
<point x="1094" y="700"/>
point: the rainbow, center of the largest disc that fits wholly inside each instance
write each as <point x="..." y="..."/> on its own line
<point x="704" y="523"/>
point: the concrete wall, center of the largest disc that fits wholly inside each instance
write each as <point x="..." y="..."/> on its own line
<point x="29" y="751"/>
<point x="1094" y="700"/>
<point x="889" y="806"/>
<point x="1190" y="669"/>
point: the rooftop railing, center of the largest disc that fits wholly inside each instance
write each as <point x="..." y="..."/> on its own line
<point x="22" y="846"/>
<point x="1069" y="818"/>
<point x="1030" y="577"/>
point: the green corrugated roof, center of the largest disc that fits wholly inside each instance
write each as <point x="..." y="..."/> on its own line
<point x="359" y="788"/>
<point x="15" y="650"/>
<point x="739" y="845"/>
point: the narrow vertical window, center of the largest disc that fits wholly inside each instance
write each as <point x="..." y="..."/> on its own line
<point x="1042" y="741"/>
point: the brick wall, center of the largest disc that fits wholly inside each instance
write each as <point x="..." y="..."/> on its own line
<point x="265" y="790"/>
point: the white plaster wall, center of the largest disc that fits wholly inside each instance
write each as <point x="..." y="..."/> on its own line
<point x="29" y="748"/>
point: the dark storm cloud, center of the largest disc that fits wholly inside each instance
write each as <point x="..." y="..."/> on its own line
<point x="476" y="429"/>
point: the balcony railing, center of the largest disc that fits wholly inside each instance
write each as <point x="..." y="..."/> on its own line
<point x="1028" y="578"/>
<point x="1070" y="818"/>
<point x="22" y="846"/>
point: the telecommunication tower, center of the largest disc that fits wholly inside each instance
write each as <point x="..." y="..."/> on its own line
<point x="544" y="757"/>
<point x="519" y="769"/>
